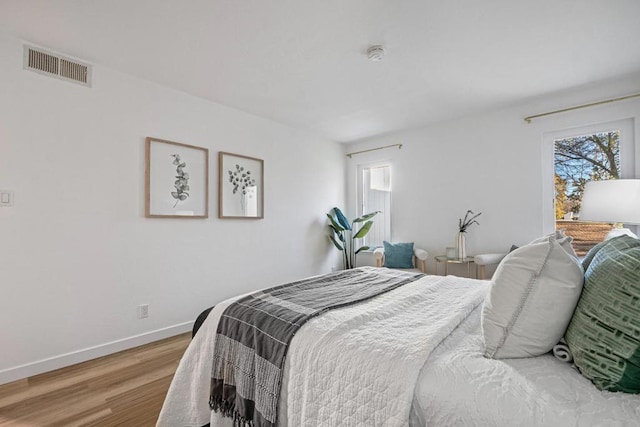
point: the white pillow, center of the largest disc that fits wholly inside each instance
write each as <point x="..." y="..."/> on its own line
<point x="563" y="239"/>
<point x="534" y="292"/>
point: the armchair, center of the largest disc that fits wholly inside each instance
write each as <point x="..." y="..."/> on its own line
<point x="483" y="260"/>
<point x="419" y="258"/>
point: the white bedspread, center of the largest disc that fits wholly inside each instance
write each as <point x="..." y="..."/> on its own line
<point x="459" y="387"/>
<point x="356" y="365"/>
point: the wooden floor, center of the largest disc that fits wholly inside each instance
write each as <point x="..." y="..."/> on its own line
<point x="123" y="389"/>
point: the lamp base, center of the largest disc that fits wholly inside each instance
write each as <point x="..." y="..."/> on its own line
<point x="620" y="232"/>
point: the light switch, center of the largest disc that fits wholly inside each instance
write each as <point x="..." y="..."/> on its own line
<point x="6" y="198"/>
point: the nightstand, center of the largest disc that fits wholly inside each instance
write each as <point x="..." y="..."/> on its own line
<point x="443" y="258"/>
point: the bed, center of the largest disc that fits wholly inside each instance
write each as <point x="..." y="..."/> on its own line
<point x="411" y="356"/>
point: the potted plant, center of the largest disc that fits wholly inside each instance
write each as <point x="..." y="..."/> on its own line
<point x="463" y="225"/>
<point x="344" y="234"/>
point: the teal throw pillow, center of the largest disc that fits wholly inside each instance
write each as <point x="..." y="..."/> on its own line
<point x="398" y="255"/>
<point x="604" y="333"/>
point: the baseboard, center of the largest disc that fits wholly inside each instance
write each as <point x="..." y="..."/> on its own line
<point x="63" y="360"/>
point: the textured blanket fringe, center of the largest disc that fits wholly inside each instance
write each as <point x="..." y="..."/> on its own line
<point x="228" y="410"/>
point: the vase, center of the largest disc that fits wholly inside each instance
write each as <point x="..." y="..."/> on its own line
<point x="461" y="245"/>
<point x="452" y="253"/>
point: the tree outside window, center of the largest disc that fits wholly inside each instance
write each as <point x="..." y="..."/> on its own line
<point x="578" y="160"/>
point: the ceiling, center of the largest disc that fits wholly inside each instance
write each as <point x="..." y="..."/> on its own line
<point x="303" y="63"/>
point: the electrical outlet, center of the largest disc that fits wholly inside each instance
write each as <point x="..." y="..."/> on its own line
<point x="143" y="311"/>
<point x="6" y="198"/>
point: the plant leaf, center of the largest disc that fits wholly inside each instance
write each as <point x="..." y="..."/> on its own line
<point x="334" y="223"/>
<point x="337" y="232"/>
<point x="363" y="248"/>
<point x="367" y="216"/>
<point x="363" y="230"/>
<point x="335" y="242"/>
<point x="344" y="222"/>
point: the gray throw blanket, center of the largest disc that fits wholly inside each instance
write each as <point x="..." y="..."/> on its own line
<point x="254" y="333"/>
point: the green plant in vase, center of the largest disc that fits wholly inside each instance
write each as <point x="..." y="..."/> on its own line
<point x="344" y="234"/>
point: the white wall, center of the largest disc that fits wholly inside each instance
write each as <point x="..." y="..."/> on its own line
<point x="490" y="163"/>
<point x="77" y="255"/>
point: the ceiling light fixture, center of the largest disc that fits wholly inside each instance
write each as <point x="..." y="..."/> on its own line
<point x="375" y="52"/>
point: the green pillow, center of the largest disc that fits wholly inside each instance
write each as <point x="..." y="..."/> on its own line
<point x="398" y="255"/>
<point x="586" y="261"/>
<point x="621" y="244"/>
<point x="604" y="333"/>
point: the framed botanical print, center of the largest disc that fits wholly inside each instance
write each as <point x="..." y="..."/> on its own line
<point x="177" y="180"/>
<point x="240" y="186"/>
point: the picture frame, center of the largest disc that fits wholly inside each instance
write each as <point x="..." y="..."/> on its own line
<point x="177" y="180"/>
<point x="240" y="186"/>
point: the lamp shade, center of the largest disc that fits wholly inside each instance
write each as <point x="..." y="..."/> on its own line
<point x="615" y="200"/>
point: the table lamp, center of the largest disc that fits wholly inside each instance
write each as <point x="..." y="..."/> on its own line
<point x="615" y="200"/>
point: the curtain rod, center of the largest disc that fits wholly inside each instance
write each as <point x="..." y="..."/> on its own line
<point x="374" y="149"/>
<point x="622" y="98"/>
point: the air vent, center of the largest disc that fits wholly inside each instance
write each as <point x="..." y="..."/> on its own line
<point x="54" y="65"/>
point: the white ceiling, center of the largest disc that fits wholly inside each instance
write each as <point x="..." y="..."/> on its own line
<point x="303" y="62"/>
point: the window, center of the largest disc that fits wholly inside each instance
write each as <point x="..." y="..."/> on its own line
<point x="578" y="160"/>
<point x="375" y="195"/>
<point x="627" y="148"/>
